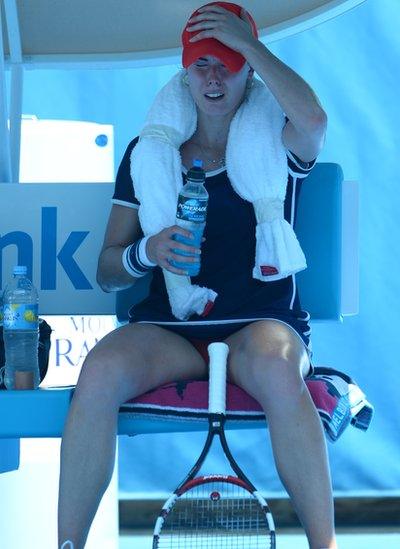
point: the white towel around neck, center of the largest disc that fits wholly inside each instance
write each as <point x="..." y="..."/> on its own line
<point x="257" y="168"/>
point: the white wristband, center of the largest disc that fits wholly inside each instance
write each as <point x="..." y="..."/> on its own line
<point x="142" y="252"/>
<point x="135" y="264"/>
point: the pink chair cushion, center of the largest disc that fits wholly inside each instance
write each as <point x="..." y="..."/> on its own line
<point x="337" y="397"/>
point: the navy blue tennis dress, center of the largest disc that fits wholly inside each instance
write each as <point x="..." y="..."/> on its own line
<point x="227" y="261"/>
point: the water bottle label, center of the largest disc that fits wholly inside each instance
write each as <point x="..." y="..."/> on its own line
<point x="192" y="209"/>
<point x="19" y="316"/>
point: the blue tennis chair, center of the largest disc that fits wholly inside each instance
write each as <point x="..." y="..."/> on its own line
<point x="327" y="228"/>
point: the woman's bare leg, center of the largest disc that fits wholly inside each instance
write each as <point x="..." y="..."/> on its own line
<point x="127" y="362"/>
<point x="269" y="362"/>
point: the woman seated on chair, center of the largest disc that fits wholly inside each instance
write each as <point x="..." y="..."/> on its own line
<point x="259" y="316"/>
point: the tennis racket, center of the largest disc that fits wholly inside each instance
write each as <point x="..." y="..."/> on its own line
<point x="215" y="511"/>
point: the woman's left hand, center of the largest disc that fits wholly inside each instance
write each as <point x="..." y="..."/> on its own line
<point x="217" y="22"/>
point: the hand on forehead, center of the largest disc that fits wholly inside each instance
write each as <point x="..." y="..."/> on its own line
<point x="218" y="30"/>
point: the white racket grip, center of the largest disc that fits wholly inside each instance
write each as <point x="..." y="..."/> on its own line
<point x="218" y="353"/>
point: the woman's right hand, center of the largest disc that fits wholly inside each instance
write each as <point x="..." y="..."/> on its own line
<point x="159" y="249"/>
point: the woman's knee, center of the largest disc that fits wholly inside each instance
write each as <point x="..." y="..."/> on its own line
<point x="272" y="339"/>
<point x="267" y="375"/>
<point x="269" y="358"/>
<point x="111" y="373"/>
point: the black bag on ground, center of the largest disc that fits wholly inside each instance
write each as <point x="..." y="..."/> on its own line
<point x="43" y="350"/>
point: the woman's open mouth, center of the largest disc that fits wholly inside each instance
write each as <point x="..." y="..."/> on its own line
<point x="214" y="96"/>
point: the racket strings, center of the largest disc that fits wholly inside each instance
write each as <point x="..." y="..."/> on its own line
<point x="217" y="515"/>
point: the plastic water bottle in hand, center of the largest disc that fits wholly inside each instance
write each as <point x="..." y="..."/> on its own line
<point x="191" y="214"/>
<point x="21" y="332"/>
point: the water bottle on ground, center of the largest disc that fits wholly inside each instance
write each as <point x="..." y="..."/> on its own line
<point x="21" y="332"/>
<point x="191" y="214"/>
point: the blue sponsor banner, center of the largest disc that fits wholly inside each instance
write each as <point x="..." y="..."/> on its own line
<point x="57" y="231"/>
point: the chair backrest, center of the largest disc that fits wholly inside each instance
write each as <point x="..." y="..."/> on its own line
<point x="326" y="227"/>
<point x="57" y="231"/>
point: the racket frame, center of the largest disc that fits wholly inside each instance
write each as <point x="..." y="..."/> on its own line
<point x="218" y="353"/>
<point x="216" y="424"/>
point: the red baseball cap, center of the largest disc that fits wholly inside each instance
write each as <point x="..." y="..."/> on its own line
<point x="232" y="59"/>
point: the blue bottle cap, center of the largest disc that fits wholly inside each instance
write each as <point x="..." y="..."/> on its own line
<point x="20" y="270"/>
<point x="196" y="172"/>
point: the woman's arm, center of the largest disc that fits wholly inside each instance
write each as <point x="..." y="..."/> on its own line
<point x="123" y="229"/>
<point x="304" y="133"/>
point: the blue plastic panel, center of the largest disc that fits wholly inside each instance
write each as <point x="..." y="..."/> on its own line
<point x="9" y="454"/>
<point x="319" y="230"/>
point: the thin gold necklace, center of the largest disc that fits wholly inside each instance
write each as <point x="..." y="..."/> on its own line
<point x="221" y="162"/>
